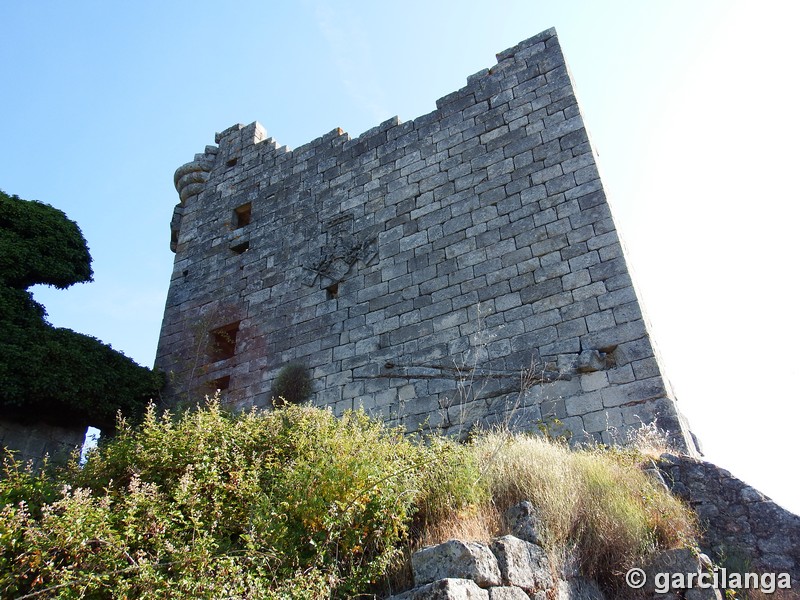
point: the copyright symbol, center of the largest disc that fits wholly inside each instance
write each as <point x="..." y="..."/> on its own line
<point x="635" y="578"/>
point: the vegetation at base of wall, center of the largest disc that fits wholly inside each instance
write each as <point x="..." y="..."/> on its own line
<point x="297" y="503"/>
<point x="290" y="503"/>
<point x="596" y="504"/>
<point x="54" y="374"/>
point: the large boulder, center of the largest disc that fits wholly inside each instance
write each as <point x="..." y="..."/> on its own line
<point x="445" y="589"/>
<point x="707" y="593"/>
<point x="456" y="559"/>
<point x="578" y="589"/>
<point x="665" y="565"/>
<point x="523" y="522"/>
<point x="507" y="593"/>
<point x="523" y="564"/>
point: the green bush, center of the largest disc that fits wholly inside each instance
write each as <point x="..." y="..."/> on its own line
<point x="21" y="482"/>
<point x="292" y="385"/>
<point x="293" y="503"/>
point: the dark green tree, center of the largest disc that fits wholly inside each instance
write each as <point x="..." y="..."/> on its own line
<point x="55" y="374"/>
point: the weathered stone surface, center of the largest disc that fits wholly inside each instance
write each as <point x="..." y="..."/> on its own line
<point x="456" y="559"/>
<point x="678" y="560"/>
<point x="655" y="474"/>
<point x="706" y="593"/>
<point x="32" y="441"/>
<point x="578" y="589"/>
<point x="507" y="593"/>
<point x="478" y="234"/>
<point x="522" y="564"/>
<point x="445" y="589"/>
<point x="524" y="522"/>
<point x="590" y="360"/>
<point x="736" y="520"/>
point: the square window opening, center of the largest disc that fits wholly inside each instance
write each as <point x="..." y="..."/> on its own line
<point x="222" y="341"/>
<point x="241" y="248"/>
<point x="241" y="215"/>
<point x="221" y="384"/>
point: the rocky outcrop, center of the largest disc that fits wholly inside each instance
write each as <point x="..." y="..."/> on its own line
<point x="456" y="559"/>
<point x="524" y="522"/>
<point x="511" y="568"/>
<point x="522" y="564"/>
<point x="508" y="569"/>
<point x="742" y="527"/>
<point x="446" y="589"/>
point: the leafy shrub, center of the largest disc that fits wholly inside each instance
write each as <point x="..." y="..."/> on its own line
<point x="293" y="503"/>
<point x="21" y="482"/>
<point x="292" y="385"/>
<point x="298" y="504"/>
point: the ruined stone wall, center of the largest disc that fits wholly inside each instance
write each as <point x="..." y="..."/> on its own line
<point x="741" y="526"/>
<point x="34" y="441"/>
<point x="419" y="269"/>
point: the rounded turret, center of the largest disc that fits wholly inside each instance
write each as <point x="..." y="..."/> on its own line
<point x="190" y="179"/>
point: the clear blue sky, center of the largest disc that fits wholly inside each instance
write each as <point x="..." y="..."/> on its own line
<point x="691" y="105"/>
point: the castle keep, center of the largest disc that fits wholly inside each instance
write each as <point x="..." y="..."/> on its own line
<point x="458" y="270"/>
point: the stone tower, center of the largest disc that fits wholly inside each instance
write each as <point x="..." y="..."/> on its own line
<point x="458" y="270"/>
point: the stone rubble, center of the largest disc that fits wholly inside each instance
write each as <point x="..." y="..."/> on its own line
<point x="510" y="568"/>
<point x="738" y="522"/>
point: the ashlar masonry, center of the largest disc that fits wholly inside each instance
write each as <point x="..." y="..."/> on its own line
<point x="459" y="270"/>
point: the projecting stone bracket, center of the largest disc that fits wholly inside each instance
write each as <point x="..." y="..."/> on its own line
<point x="591" y="359"/>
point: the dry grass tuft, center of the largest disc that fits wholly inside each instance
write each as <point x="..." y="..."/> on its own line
<point x="481" y="524"/>
<point x="648" y="440"/>
<point x="595" y="504"/>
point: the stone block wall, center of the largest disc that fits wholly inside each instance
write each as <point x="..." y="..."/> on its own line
<point x="419" y="269"/>
<point x="741" y="526"/>
<point x="32" y="441"/>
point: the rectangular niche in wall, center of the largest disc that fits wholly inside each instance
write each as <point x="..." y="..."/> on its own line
<point x="241" y="215"/>
<point x="241" y="248"/>
<point x="222" y="341"/>
<point x="221" y="384"/>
